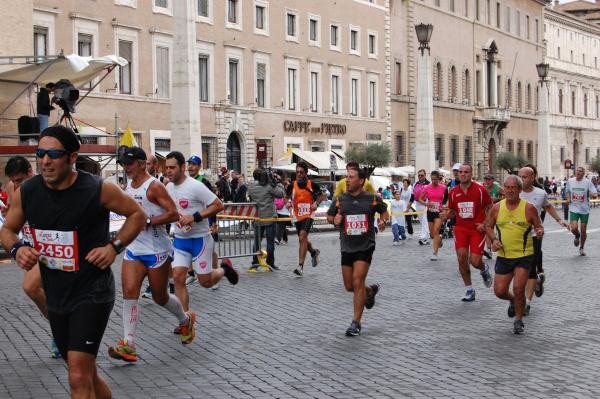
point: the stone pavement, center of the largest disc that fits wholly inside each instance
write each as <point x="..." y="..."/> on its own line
<point x="278" y="336"/>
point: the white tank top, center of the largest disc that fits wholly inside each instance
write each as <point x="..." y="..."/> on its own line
<point x="154" y="239"/>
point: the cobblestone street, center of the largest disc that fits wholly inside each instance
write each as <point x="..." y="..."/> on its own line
<point x="278" y="336"/>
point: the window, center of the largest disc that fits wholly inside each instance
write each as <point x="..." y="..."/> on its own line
<point x="477" y="10"/>
<point x="562" y="154"/>
<point x="454" y="150"/>
<point x="520" y="147"/>
<point x="571" y="55"/>
<point x="162" y="144"/>
<point x="314" y="91"/>
<point x="261" y="71"/>
<point x="372" y="99"/>
<point x="507" y="20"/>
<point x="203" y="8"/>
<point x="478" y="86"/>
<point x="313" y="30"/>
<point x="597" y="106"/>
<point x="437" y="82"/>
<point x="537" y="30"/>
<point x="583" y="59"/>
<point x="498" y="15"/>
<point x="527" y="29"/>
<point x="529" y="104"/>
<point x="518" y="23"/>
<point x="467" y="8"/>
<point x="467" y="87"/>
<point x="233" y="82"/>
<point x="572" y="103"/>
<point x="398" y="78"/>
<point x="260" y="17"/>
<point x="467" y="157"/>
<point x="400" y="148"/>
<point x="558" y="52"/>
<point x="335" y="94"/>
<point x="511" y="146"/>
<point x="587" y="155"/>
<point x="232" y="14"/>
<point x="125" y="81"/>
<point x="451" y="5"/>
<point x="291" y="25"/>
<point x="452" y="88"/>
<point x="560" y="101"/>
<point x="437" y="2"/>
<point x="519" y="96"/>
<point x="203" y="77"/>
<point x="161" y="3"/>
<point x="439" y="149"/>
<point x="40" y="43"/>
<point x="489" y="12"/>
<point x="595" y="62"/>
<point x="334" y="36"/>
<point x="162" y="72"/>
<point x="530" y="151"/>
<point x="372" y="44"/>
<point x="354" y="97"/>
<point x="354" y="40"/>
<point x="585" y="105"/>
<point x="84" y="49"/>
<point x="292" y="85"/>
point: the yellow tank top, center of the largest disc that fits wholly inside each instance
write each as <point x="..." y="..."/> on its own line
<point x="514" y="231"/>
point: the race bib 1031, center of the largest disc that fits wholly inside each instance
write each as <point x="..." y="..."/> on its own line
<point x="356" y="225"/>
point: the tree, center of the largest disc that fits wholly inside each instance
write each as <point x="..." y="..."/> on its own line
<point x="509" y="162"/>
<point x="370" y="156"/>
<point x="595" y="165"/>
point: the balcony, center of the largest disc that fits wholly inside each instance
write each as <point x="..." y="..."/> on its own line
<point x="496" y="114"/>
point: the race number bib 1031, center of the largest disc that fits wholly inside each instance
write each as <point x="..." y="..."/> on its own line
<point x="356" y="225"/>
<point x="303" y="209"/>
<point x="465" y="210"/>
<point x="59" y="250"/>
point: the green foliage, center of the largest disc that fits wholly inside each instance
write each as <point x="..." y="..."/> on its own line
<point x="370" y="156"/>
<point x="510" y="162"/>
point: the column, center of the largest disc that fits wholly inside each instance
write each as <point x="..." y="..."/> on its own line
<point x="544" y="164"/>
<point x="424" y="140"/>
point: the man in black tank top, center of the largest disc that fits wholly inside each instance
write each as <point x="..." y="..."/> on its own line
<point x="67" y="212"/>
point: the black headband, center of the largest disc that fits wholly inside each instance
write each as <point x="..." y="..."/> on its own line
<point x="65" y="135"/>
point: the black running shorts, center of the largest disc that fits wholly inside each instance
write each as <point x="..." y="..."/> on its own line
<point x="348" y="258"/>
<point x="304" y="225"/>
<point x="82" y="329"/>
<point x="431" y="216"/>
<point x="537" y="262"/>
<point x="508" y="265"/>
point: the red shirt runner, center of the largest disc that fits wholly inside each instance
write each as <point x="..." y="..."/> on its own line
<point x="470" y="206"/>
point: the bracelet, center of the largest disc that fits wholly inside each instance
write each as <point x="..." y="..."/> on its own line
<point x="16" y="246"/>
<point x="197" y="217"/>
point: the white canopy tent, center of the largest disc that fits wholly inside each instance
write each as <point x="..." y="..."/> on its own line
<point x="321" y="160"/>
<point x="292" y="168"/>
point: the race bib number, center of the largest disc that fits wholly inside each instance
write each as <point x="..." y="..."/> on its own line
<point x="577" y="197"/>
<point x="58" y="249"/>
<point x="304" y="209"/>
<point x="465" y="210"/>
<point x="434" y="206"/>
<point x="356" y="225"/>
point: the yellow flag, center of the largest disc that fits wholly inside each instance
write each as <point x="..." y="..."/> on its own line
<point x="128" y="139"/>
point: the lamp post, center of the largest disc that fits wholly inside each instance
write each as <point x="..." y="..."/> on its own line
<point x="544" y="164"/>
<point x="424" y="136"/>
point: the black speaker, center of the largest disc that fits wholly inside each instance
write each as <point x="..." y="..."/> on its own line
<point x="27" y="126"/>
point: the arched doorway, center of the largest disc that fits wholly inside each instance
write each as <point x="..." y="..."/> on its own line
<point x="492" y="156"/>
<point x="234" y="153"/>
<point x="576" y="153"/>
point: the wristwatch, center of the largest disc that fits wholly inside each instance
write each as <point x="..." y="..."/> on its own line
<point x="148" y="222"/>
<point x="117" y="246"/>
<point x="197" y="217"/>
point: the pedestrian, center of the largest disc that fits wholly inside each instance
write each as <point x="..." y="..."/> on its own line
<point x="263" y="192"/>
<point x="469" y="202"/>
<point x="579" y="191"/>
<point x="68" y="214"/>
<point x="418" y="188"/>
<point x="223" y="187"/>
<point x="514" y="219"/>
<point x="44" y="106"/>
<point x="241" y="192"/>
<point x="432" y="197"/>
<point x="305" y="197"/>
<point x="283" y="212"/>
<point x="406" y="195"/>
<point x="354" y="213"/>
<point x="398" y="208"/>
<point x="148" y="255"/>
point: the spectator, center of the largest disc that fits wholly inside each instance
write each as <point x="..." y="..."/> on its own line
<point x="283" y="212"/>
<point x="241" y="192"/>
<point x="397" y="208"/>
<point x="223" y="186"/>
<point x="43" y="105"/>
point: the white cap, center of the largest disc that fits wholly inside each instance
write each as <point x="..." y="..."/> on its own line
<point x="456" y="166"/>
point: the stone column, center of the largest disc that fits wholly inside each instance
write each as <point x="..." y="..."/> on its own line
<point x="185" y="101"/>
<point x="424" y="140"/>
<point x="544" y="164"/>
<point x="494" y="84"/>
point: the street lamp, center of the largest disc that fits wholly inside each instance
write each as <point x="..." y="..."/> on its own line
<point x="542" y="70"/>
<point x="424" y="32"/>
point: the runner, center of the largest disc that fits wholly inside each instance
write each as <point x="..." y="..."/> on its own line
<point x="305" y="197"/>
<point x="148" y="255"/>
<point x="432" y="197"/>
<point x="68" y="214"/>
<point x="539" y="199"/>
<point x="340" y="187"/>
<point x="355" y="211"/>
<point x="418" y="188"/>
<point x="514" y="218"/>
<point x="469" y="202"/>
<point x="193" y="242"/>
<point x="579" y="191"/>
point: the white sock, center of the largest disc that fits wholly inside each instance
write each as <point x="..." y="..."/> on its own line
<point x="469" y="288"/>
<point x="173" y="305"/>
<point x="130" y="319"/>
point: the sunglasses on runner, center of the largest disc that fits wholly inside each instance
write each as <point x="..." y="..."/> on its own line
<point x="53" y="154"/>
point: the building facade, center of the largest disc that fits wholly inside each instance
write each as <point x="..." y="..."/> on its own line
<point x="573" y="50"/>
<point x="483" y="55"/>
<point x="271" y="74"/>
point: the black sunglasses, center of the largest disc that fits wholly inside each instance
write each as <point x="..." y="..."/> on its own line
<point x="53" y="154"/>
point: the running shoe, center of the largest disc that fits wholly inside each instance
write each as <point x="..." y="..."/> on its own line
<point x="188" y="330"/>
<point x="469" y="296"/>
<point x="576" y="240"/>
<point x="511" y="309"/>
<point x="423" y="242"/>
<point x="539" y="286"/>
<point x="314" y="257"/>
<point x="581" y="252"/>
<point x="487" y="254"/>
<point x="253" y="269"/>
<point x="177" y="330"/>
<point x="147" y="293"/>
<point x="526" y="310"/>
<point x="54" y="352"/>
<point x="433" y="257"/>
<point x="298" y="272"/>
<point x="370" y="300"/>
<point x="191" y="277"/>
<point x="487" y="277"/>
<point x="230" y="274"/>
<point x="518" y="327"/>
<point x="122" y="351"/>
<point x="354" y="329"/>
